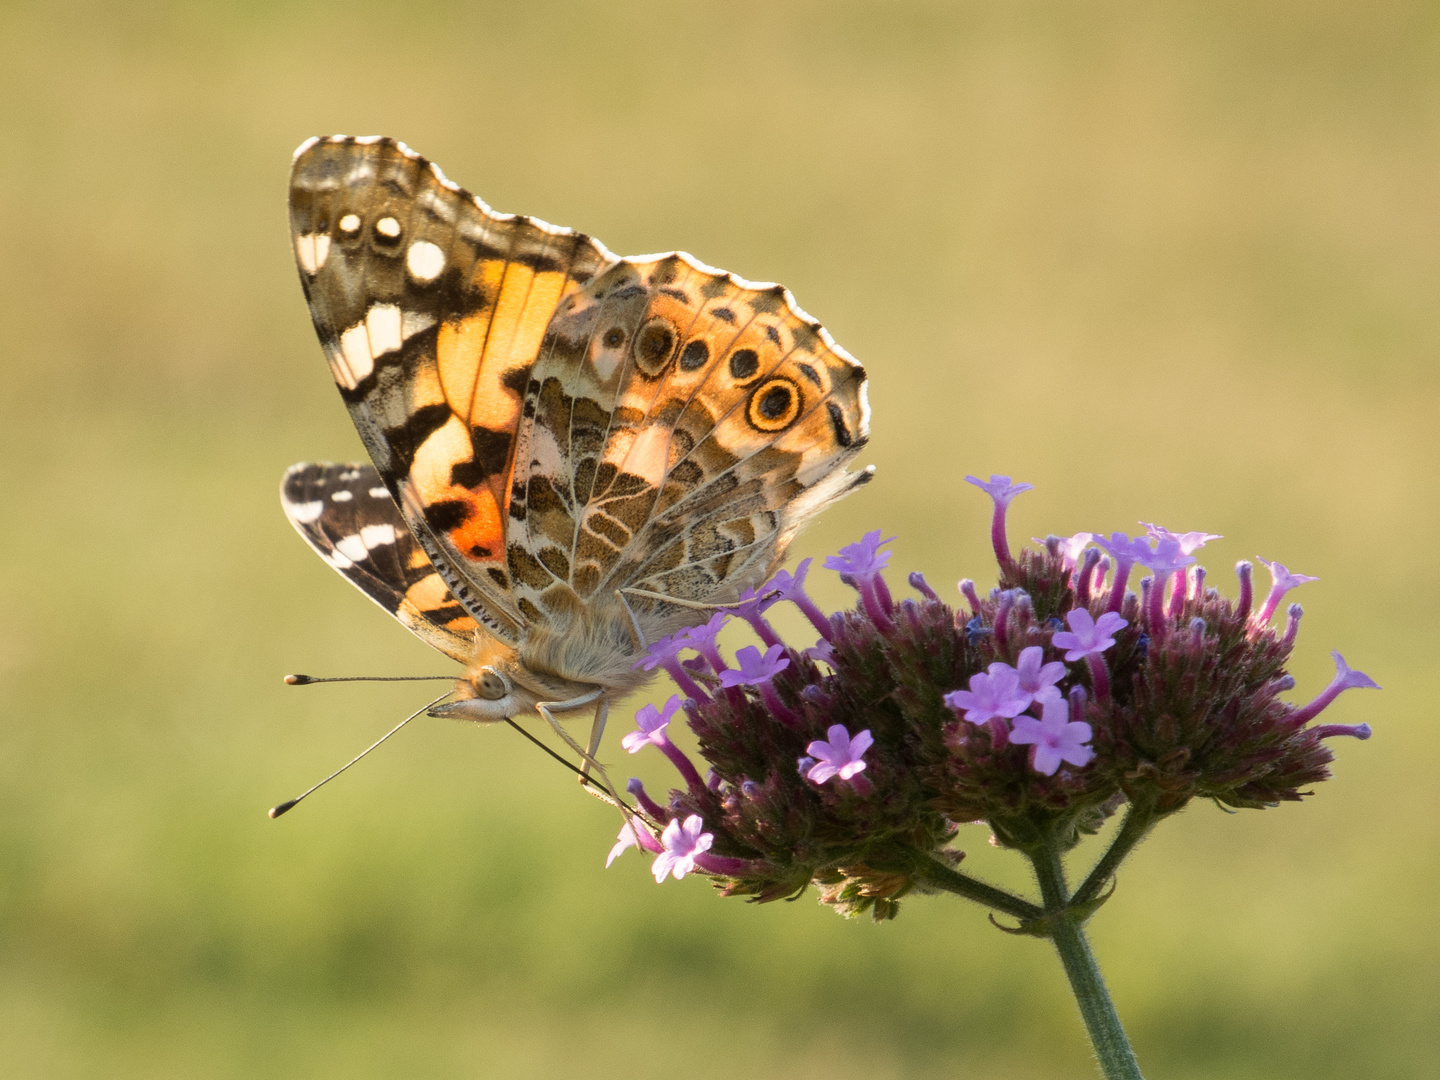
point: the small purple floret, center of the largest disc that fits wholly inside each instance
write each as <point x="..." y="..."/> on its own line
<point x="792" y="587"/>
<point x="1000" y="488"/>
<point x="1125" y="552"/>
<point x="861" y="558"/>
<point x="1055" y="738"/>
<point x="840" y="755"/>
<point x="632" y="834"/>
<point x="681" y="844"/>
<point x="665" y="653"/>
<point x="650" y="731"/>
<point x="859" y="565"/>
<point x="757" y="671"/>
<point x="1345" y="679"/>
<point x="1282" y="581"/>
<point x="1035" y="677"/>
<point x="1087" y="635"/>
<point x="650" y="725"/>
<point x="702" y="640"/>
<point x="1003" y="491"/>
<point x="992" y="693"/>
<point x="1189" y="542"/>
<point x="753" y="668"/>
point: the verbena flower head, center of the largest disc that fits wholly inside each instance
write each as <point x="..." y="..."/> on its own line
<point x="1038" y="709"/>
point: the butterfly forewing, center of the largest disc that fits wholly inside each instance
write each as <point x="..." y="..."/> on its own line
<point x="431" y="310"/>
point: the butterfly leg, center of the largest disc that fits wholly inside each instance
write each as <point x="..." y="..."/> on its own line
<point x="587" y="757"/>
<point x="597" y="729"/>
<point x="636" y="634"/>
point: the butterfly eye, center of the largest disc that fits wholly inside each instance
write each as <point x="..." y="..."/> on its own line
<point x="774" y="405"/>
<point x="491" y="686"/>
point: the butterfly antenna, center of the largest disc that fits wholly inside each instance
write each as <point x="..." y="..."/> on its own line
<point x="595" y="788"/>
<point x="306" y="680"/>
<point x="286" y="807"/>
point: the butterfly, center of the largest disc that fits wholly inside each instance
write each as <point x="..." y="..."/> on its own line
<point x="574" y="454"/>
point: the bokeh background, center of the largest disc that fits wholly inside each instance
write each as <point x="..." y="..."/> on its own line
<point x="1177" y="262"/>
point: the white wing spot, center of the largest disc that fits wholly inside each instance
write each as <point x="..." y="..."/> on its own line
<point x="350" y="474"/>
<point x="412" y="322"/>
<point x="380" y="493"/>
<point x="306" y="512"/>
<point x="312" y="249"/>
<point x="388" y="226"/>
<point x="352" y="547"/>
<point x="350" y="224"/>
<point x="339" y="561"/>
<point x="425" y="261"/>
<point x="382" y="327"/>
<point x="342" y="496"/>
<point x="376" y="535"/>
<point x="353" y="362"/>
<point x="649" y="454"/>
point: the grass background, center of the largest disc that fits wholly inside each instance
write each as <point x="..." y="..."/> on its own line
<point x="1169" y="261"/>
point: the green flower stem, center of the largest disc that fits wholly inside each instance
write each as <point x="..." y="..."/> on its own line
<point x="940" y="876"/>
<point x="1138" y="820"/>
<point x="1112" y="1048"/>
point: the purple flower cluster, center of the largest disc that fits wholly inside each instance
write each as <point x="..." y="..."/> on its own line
<point x="1040" y="710"/>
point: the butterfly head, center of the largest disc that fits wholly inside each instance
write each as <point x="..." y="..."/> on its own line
<point x="502" y="689"/>
<point x="486" y="694"/>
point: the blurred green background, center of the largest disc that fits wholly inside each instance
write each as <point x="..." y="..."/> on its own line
<point x="1172" y="262"/>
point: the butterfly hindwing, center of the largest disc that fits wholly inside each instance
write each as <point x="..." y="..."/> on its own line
<point x="431" y="309"/>
<point x="347" y="515"/>
<point x="679" y="426"/>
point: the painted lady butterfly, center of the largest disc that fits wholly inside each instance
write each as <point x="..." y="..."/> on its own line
<point x="575" y="454"/>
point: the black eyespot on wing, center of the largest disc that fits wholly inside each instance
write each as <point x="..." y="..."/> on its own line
<point x="653" y="346"/>
<point x="744" y="363"/>
<point x="837" y="421"/>
<point x="614" y="338"/>
<point x="774" y="405"/>
<point x="694" y="355"/>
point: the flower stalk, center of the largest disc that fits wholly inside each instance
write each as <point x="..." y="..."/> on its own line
<point x="1065" y="930"/>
